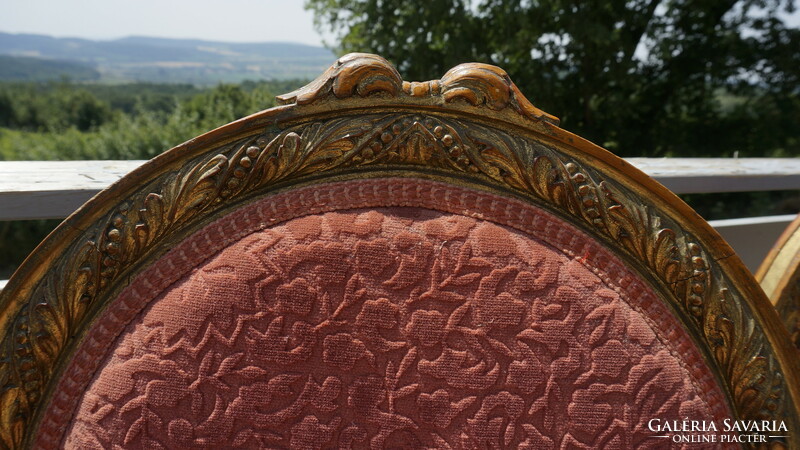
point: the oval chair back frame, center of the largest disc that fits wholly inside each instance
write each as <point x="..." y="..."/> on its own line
<point x="473" y="128"/>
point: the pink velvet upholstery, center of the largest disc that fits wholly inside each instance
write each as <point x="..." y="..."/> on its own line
<point x="416" y="324"/>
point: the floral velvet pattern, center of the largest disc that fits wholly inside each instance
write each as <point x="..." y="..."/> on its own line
<point x="402" y="327"/>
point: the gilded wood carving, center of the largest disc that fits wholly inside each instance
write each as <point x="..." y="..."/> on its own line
<point x="359" y="119"/>
<point x="779" y="275"/>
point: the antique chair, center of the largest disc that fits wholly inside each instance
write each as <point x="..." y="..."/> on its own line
<point x="388" y="263"/>
<point x="779" y="276"/>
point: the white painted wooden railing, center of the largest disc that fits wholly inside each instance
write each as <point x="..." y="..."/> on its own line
<point x="54" y="189"/>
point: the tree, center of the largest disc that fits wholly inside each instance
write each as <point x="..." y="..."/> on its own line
<point x="640" y="77"/>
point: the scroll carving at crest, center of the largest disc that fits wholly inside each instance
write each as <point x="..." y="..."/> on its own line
<point x="364" y="74"/>
<point x="136" y="227"/>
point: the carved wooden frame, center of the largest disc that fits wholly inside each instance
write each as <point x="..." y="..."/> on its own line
<point x="360" y="120"/>
<point x="779" y="275"/>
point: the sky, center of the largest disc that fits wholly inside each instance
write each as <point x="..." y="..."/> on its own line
<point x="236" y="21"/>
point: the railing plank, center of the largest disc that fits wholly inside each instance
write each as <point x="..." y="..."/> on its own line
<point x="704" y="175"/>
<point x="53" y="189"/>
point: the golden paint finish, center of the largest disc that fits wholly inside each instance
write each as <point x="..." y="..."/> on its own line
<point x="359" y="120"/>
<point x="779" y="275"/>
<point x="365" y="74"/>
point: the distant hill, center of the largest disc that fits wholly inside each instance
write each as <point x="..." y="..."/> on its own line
<point x="195" y="61"/>
<point x="22" y="68"/>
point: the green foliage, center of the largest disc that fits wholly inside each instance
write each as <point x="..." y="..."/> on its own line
<point x="640" y="77"/>
<point x="18" y="239"/>
<point x="729" y="205"/>
<point x="131" y="98"/>
<point x="64" y="121"/>
<point x="61" y="121"/>
<point x="50" y="107"/>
